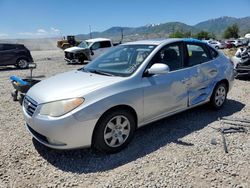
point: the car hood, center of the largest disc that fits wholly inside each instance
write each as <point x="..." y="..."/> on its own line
<point x="74" y="49"/>
<point x="69" y="85"/>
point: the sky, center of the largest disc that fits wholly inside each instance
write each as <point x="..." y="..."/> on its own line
<point x="48" y="18"/>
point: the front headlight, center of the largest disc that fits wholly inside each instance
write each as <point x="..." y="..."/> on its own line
<point x="59" y="108"/>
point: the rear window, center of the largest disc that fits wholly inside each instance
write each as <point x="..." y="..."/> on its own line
<point x="8" y="47"/>
<point x="105" y="44"/>
<point x="196" y="54"/>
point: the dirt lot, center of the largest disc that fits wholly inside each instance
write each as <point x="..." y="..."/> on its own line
<point x="174" y="152"/>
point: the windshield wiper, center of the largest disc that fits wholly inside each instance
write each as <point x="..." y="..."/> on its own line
<point x="100" y="72"/>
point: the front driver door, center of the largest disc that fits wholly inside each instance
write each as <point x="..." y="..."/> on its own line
<point x="167" y="93"/>
<point x="95" y="49"/>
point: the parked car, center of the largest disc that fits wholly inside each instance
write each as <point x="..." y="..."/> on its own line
<point x="87" y="50"/>
<point x="235" y="43"/>
<point x="228" y="44"/>
<point x="217" y="44"/>
<point x="241" y="61"/>
<point x="15" y="54"/>
<point x="134" y="84"/>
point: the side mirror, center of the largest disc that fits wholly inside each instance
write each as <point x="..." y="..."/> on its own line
<point x="91" y="51"/>
<point x="158" y="68"/>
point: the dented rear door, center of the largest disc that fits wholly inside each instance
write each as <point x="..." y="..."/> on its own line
<point x="203" y="72"/>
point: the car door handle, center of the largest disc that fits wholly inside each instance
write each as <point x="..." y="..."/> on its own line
<point x="213" y="71"/>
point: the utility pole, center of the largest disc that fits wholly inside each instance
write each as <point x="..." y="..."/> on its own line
<point x="90" y="32"/>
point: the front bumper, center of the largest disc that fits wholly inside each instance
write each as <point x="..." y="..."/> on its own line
<point x="66" y="132"/>
<point x="72" y="60"/>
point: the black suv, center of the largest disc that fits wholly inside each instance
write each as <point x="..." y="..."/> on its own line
<point x="15" y="54"/>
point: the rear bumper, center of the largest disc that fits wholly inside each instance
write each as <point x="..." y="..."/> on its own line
<point x="72" y="60"/>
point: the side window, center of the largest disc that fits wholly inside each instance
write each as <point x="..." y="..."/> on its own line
<point x="196" y="55"/>
<point x="105" y="44"/>
<point x="96" y="46"/>
<point x="169" y="55"/>
<point x="1" y="47"/>
<point x="8" y="47"/>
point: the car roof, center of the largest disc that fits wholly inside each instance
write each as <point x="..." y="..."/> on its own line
<point x="162" y="41"/>
<point x="98" y="40"/>
<point x="11" y="44"/>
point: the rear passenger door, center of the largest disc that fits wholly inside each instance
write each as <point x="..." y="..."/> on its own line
<point x="7" y="54"/>
<point x="203" y="71"/>
<point x="1" y="55"/>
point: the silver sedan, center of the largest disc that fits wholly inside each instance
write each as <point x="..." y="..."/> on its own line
<point x="102" y="104"/>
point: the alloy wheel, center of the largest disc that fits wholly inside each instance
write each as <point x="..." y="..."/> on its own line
<point x="117" y="131"/>
<point x="220" y="96"/>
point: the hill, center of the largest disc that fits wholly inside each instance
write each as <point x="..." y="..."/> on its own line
<point x="216" y="26"/>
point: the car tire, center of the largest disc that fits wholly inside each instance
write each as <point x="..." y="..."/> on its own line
<point x="22" y="63"/>
<point x="219" y="96"/>
<point x="114" y="131"/>
<point x="82" y="58"/>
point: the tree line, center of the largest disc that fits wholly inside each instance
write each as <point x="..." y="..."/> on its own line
<point x="230" y="32"/>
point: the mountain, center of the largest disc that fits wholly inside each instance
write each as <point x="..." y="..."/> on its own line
<point x="216" y="26"/>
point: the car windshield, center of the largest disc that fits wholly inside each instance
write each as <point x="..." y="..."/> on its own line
<point x="83" y="44"/>
<point x="122" y="60"/>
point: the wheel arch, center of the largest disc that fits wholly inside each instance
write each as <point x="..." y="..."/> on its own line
<point x="225" y="81"/>
<point x="22" y="57"/>
<point x="118" y="107"/>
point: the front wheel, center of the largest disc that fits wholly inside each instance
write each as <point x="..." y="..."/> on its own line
<point x="114" y="131"/>
<point x="219" y="96"/>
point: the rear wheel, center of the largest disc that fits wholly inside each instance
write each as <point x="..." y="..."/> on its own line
<point x="22" y="63"/>
<point x="219" y="96"/>
<point x="114" y="131"/>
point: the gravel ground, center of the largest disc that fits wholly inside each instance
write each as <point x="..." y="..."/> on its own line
<point x="173" y="152"/>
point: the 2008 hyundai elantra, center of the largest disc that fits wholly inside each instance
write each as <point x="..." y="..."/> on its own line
<point x="136" y="83"/>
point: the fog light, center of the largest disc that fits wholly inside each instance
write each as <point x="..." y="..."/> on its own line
<point x="55" y="142"/>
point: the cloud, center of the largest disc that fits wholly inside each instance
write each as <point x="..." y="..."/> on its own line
<point x="25" y="33"/>
<point x="54" y="30"/>
<point x="3" y="35"/>
<point x="41" y="31"/>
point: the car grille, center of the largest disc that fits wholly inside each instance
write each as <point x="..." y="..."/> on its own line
<point x="69" y="55"/>
<point x="29" y="105"/>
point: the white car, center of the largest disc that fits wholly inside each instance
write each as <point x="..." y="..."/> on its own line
<point x="235" y="43"/>
<point x="87" y="50"/>
<point x="217" y="44"/>
<point x="132" y="85"/>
